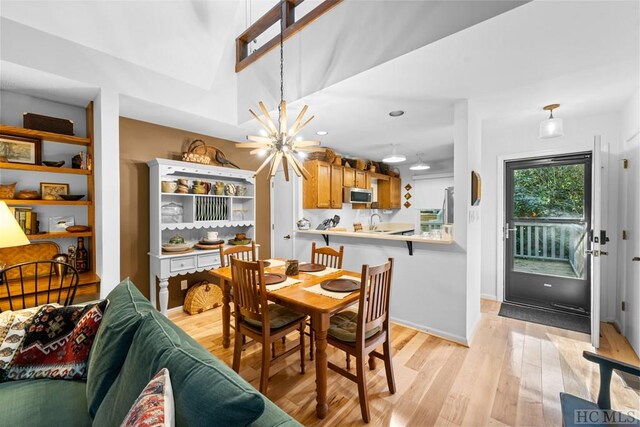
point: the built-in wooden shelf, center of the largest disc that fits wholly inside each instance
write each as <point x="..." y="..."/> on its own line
<point x="65" y="235"/>
<point x="20" y="202"/>
<point x="45" y="136"/>
<point x="38" y="168"/>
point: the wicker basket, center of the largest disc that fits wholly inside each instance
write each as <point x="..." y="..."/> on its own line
<point x="7" y="191"/>
<point x="201" y="297"/>
<point x="197" y="152"/>
<point x="316" y="156"/>
<point x="329" y="155"/>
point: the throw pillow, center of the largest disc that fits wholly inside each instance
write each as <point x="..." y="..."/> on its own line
<point x="154" y="407"/>
<point x="12" y="334"/>
<point x="58" y="342"/>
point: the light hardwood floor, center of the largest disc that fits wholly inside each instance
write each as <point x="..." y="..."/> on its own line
<point x="511" y="375"/>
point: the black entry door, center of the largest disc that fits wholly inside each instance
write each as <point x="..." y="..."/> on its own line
<point x="548" y="216"/>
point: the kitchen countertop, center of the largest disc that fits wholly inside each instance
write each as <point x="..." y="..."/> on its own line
<point x="386" y="234"/>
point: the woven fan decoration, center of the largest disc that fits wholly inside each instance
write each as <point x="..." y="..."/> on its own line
<point x="201" y="297"/>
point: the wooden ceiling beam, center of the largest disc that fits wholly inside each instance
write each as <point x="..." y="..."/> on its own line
<point x="289" y="27"/>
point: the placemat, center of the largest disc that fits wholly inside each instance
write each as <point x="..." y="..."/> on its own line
<point x="290" y="281"/>
<point x="275" y="262"/>
<point x="328" y="270"/>
<point x="317" y="289"/>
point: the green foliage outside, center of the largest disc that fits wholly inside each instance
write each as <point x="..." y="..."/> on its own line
<point x="549" y="192"/>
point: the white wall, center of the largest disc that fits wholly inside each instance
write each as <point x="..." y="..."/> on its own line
<point x="627" y="290"/>
<point x="522" y="140"/>
<point x="12" y="105"/>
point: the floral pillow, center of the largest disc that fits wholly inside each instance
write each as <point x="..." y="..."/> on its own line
<point x="57" y="343"/>
<point x="154" y="407"/>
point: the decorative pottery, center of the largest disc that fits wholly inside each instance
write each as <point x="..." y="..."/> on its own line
<point x="198" y="188"/>
<point x="177" y="239"/>
<point x="291" y="267"/>
<point x="7" y="191"/>
<point x="230" y="190"/>
<point x="241" y="236"/>
<point x="218" y="188"/>
<point x="169" y="186"/>
<point x="241" y="190"/>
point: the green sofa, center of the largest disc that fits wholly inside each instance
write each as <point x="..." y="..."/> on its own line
<point x="133" y="343"/>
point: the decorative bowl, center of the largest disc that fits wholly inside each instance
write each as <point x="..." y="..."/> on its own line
<point x="71" y="197"/>
<point x="78" y="228"/>
<point x="176" y="247"/>
<point x="239" y="242"/>
<point x="27" y="195"/>
<point x="53" y="163"/>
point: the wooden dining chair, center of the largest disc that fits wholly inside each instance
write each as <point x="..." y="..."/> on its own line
<point x="328" y="257"/>
<point x="252" y="314"/>
<point x="359" y="334"/>
<point x="243" y="252"/>
<point x="33" y="283"/>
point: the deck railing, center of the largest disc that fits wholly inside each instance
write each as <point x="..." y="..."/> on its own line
<point x="551" y="241"/>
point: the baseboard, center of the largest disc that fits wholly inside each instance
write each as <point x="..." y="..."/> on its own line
<point x="174" y="310"/>
<point x="489" y="296"/>
<point x="431" y="331"/>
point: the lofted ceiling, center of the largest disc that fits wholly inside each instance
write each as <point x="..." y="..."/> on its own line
<point x="172" y="62"/>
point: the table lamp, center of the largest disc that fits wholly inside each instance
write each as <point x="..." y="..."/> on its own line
<point x="10" y="232"/>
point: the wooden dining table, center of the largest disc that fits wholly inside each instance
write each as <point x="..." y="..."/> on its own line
<point x="318" y="307"/>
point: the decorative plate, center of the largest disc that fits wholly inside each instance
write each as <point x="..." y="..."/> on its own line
<point x="211" y="242"/>
<point x="273" y="278"/>
<point x="340" y="285"/>
<point x="175" y="247"/>
<point x="53" y="163"/>
<point x="311" y="267"/>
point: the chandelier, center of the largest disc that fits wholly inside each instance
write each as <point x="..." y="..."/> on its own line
<point x="280" y="144"/>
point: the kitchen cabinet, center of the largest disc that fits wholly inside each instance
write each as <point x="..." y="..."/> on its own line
<point x="316" y="190"/>
<point x="389" y="193"/>
<point x="361" y="179"/>
<point x="349" y="177"/>
<point x="336" y="187"/>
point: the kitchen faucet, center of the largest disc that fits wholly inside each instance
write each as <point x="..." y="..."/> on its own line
<point x="373" y="226"/>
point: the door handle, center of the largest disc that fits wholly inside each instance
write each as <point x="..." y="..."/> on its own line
<point x="507" y="230"/>
<point x="636" y="258"/>
<point x="604" y="253"/>
<point x="590" y="252"/>
<point x="287" y="237"/>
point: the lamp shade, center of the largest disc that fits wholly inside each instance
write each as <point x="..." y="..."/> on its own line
<point x="394" y="157"/>
<point x="10" y="232"/>
<point x="551" y="128"/>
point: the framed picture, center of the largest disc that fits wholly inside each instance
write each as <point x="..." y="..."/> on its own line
<point x="53" y="190"/>
<point x="476" y="188"/>
<point x="20" y="150"/>
<point x="59" y="224"/>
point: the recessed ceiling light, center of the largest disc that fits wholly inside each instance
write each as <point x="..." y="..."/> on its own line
<point x="396" y="113"/>
<point x="322" y="132"/>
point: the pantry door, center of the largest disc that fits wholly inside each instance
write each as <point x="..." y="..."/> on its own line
<point x="282" y="215"/>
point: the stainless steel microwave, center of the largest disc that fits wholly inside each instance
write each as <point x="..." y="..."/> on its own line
<point x="357" y="195"/>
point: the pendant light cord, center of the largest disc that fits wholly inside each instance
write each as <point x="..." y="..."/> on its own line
<point x="281" y="65"/>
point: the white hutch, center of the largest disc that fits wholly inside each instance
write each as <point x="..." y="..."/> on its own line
<point x="227" y="214"/>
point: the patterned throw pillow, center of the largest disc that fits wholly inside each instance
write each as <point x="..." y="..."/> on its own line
<point x="154" y="407"/>
<point x="57" y="343"/>
<point x="12" y="334"/>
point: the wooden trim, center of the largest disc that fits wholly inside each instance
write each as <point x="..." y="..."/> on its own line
<point x="44" y="136"/>
<point x="91" y="210"/>
<point x="291" y="27"/>
<point x="65" y="235"/>
<point x="38" y="168"/>
<point x="20" y="202"/>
